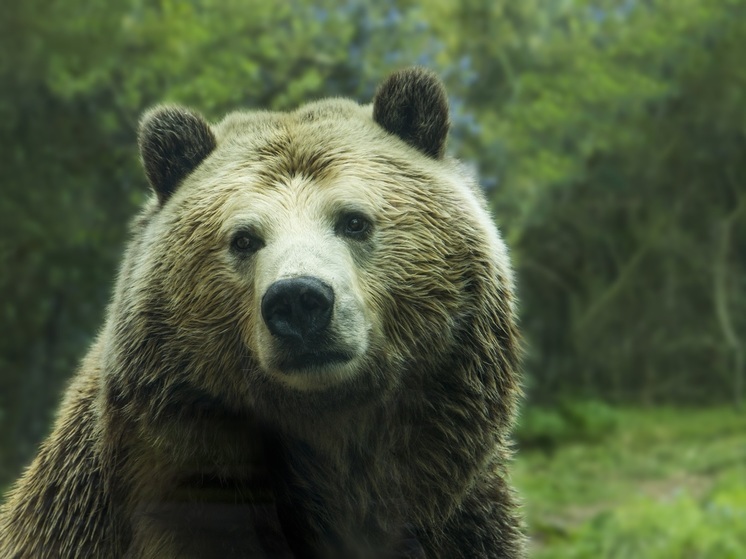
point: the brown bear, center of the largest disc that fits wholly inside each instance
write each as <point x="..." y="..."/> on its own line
<point x="311" y="351"/>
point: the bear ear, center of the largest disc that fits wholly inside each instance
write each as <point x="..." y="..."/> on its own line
<point x="173" y="142"/>
<point x="412" y="103"/>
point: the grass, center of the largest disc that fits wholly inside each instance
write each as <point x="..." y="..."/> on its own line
<point x="661" y="483"/>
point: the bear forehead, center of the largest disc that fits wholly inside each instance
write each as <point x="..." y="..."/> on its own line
<point x="323" y="121"/>
<point x="319" y="141"/>
<point x="242" y="122"/>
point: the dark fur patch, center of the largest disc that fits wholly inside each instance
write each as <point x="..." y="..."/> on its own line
<point x="413" y="104"/>
<point x="173" y="142"/>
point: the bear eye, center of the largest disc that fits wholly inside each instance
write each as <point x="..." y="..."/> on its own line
<point x="246" y="243"/>
<point x="354" y="225"/>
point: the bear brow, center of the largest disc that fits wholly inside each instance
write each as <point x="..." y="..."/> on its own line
<point x="283" y="158"/>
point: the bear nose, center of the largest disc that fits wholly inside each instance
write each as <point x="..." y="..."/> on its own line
<point x="297" y="308"/>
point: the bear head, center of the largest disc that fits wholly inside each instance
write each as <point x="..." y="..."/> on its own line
<point x="312" y="263"/>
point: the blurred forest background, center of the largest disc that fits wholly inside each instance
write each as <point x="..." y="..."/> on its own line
<point x="610" y="137"/>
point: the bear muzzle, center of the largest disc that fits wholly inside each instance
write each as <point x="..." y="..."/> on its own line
<point x="298" y="312"/>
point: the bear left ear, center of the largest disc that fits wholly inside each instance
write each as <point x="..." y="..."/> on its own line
<point x="173" y="142"/>
<point x="412" y="103"/>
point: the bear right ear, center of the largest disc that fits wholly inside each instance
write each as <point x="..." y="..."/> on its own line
<point x="173" y="142"/>
<point x="412" y="103"/>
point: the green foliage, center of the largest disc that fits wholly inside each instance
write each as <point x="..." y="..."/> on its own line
<point x="568" y="421"/>
<point x="628" y="184"/>
<point x="666" y="483"/>
<point x="678" y="527"/>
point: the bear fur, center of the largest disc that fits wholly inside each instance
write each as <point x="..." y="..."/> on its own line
<point x="311" y="351"/>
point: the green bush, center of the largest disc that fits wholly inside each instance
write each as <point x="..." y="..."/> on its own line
<point x="569" y="421"/>
<point x="676" y="526"/>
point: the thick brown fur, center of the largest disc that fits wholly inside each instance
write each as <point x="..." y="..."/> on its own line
<point x="184" y="435"/>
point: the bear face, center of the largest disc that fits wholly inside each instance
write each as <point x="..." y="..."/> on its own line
<point x="308" y="262"/>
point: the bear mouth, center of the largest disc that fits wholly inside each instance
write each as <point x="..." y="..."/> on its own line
<point x="308" y="361"/>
